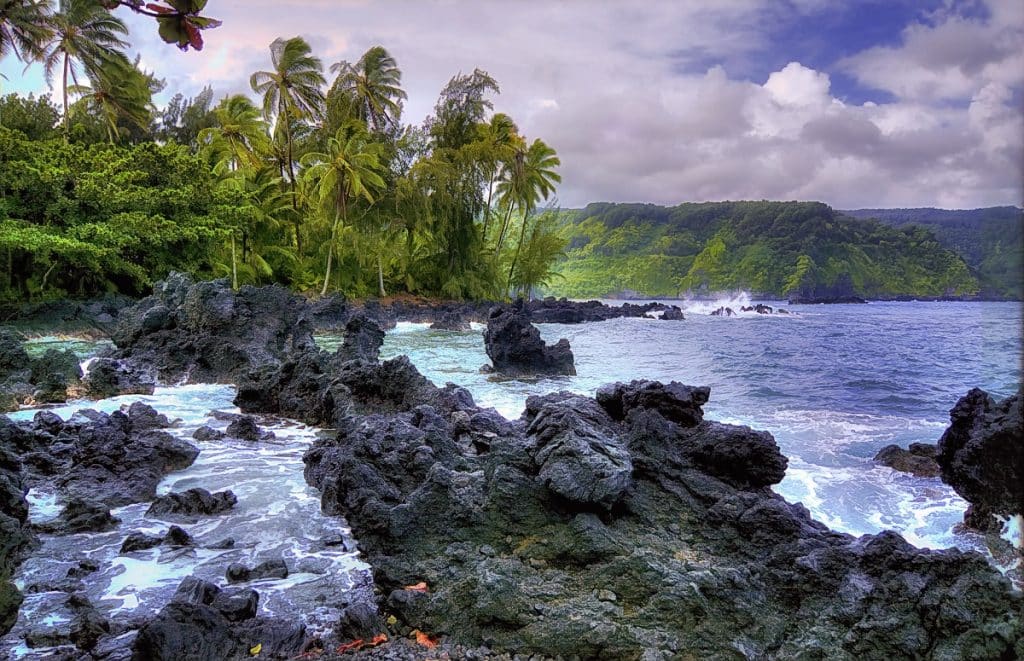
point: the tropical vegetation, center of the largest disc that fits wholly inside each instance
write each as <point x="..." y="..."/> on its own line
<point x="313" y="182"/>
<point x="774" y="249"/>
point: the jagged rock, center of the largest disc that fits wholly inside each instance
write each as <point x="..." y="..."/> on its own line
<point x="191" y="503"/>
<point x="918" y="459"/>
<point x="138" y="541"/>
<point x="245" y="428"/>
<point x="109" y="378"/>
<point x="274" y="568"/>
<point x="207" y="433"/>
<point x="563" y="311"/>
<point x="15" y="534"/>
<point x="723" y="312"/>
<point x="574" y="553"/>
<point x="672" y="313"/>
<point x="678" y="403"/>
<point x="204" y="623"/>
<point x="451" y="321"/>
<point x="27" y="380"/>
<point x="981" y="453"/>
<point x="81" y="516"/>
<point x="515" y="347"/>
<point x="363" y="339"/>
<point x="204" y="331"/>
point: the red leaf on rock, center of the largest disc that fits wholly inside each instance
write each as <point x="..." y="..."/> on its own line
<point x="350" y="647"/>
<point x="426" y="640"/>
<point x="419" y="587"/>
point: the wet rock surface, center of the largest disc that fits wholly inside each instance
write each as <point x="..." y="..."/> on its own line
<point x="34" y="380"/>
<point x="192" y="503"/>
<point x="113" y="460"/>
<point x="108" y="377"/>
<point x="918" y="459"/>
<point x="981" y="454"/>
<point x="600" y="528"/>
<point x="205" y="332"/>
<point x="15" y="534"/>
<point x="515" y="347"/>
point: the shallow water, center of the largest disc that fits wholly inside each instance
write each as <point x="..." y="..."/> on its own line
<point x="277" y="515"/>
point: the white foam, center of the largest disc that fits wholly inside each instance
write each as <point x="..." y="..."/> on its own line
<point x="1013" y="530"/>
<point x="410" y="326"/>
<point x="42" y="506"/>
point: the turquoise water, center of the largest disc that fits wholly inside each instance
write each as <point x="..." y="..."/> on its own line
<point x="832" y="383"/>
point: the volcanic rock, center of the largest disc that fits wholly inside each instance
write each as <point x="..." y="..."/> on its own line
<point x="918" y="459"/>
<point x="192" y="503"/>
<point x="108" y="377"/>
<point x="515" y="347"/>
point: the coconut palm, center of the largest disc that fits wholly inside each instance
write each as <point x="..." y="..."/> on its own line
<point x="292" y="90"/>
<point x="238" y="137"/>
<point x="499" y="140"/>
<point x="119" y="91"/>
<point x="374" y="83"/>
<point x="24" y="28"/>
<point x="85" y="37"/>
<point x="531" y="178"/>
<point x="349" y="169"/>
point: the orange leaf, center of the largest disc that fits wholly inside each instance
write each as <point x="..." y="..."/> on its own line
<point x="425" y="640"/>
<point x="379" y="639"/>
<point x="350" y="647"/>
<point x="419" y="587"/>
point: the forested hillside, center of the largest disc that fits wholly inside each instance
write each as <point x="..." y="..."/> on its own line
<point x="769" y="248"/>
<point x="990" y="240"/>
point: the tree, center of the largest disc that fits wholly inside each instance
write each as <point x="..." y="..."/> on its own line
<point x="238" y="136"/>
<point x="184" y="118"/>
<point x="291" y="90"/>
<point x="24" y="28"/>
<point x="374" y="86"/>
<point x="36" y="118"/>
<point x="348" y="170"/>
<point x="499" y="140"/>
<point x="85" y="35"/>
<point x="532" y="178"/>
<point x="178" y="21"/>
<point x="119" y="92"/>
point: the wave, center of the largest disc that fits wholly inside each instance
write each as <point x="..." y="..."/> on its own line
<point x="734" y="301"/>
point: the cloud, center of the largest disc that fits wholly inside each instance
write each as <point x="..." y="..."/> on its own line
<point x="654" y="101"/>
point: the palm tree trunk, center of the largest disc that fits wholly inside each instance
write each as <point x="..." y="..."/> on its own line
<point x="504" y="228"/>
<point x="67" y="66"/>
<point x="380" y="275"/>
<point x="234" y="267"/>
<point x="291" y="173"/>
<point x="330" y="256"/>
<point x="487" y="212"/>
<point x="519" y="246"/>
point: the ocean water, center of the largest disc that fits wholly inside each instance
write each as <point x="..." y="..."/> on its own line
<point x="833" y="384"/>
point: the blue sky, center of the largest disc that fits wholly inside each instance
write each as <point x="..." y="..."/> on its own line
<point x="852" y="102"/>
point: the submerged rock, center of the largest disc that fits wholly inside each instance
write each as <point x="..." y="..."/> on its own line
<point x="629" y="526"/>
<point x="515" y="347"/>
<point x="981" y="453"/>
<point x="918" y="459"/>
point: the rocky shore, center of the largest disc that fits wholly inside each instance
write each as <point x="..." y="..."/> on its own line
<point x="623" y="525"/>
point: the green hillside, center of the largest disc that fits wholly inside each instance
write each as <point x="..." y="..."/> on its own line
<point x="990" y="240"/>
<point x="768" y="248"/>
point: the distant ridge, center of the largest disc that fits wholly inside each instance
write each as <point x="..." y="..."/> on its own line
<point x="782" y="249"/>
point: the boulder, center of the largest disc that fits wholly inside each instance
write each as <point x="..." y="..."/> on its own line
<point x="273" y="568"/>
<point x="192" y="503"/>
<point x="108" y="377"/>
<point x="515" y="347"/>
<point x="81" y="515"/>
<point x="981" y="453"/>
<point x="918" y="459"/>
<point x="245" y="428"/>
<point x="672" y="313"/>
<point x="678" y="403"/>
<point x="363" y="339"/>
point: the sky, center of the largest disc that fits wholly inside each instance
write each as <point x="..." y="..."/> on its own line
<point x="856" y="103"/>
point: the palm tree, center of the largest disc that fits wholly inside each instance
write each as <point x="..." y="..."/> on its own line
<point x="24" y="28"/>
<point x="499" y="141"/>
<point x="238" y="137"/>
<point x="292" y="91"/>
<point x="119" y="91"/>
<point x="348" y="170"/>
<point x="235" y="145"/>
<point x="531" y="179"/>
<point x="85" y="35"/>
<point x="374" y="83"/>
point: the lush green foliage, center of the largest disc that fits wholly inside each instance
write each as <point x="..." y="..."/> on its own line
<point x="990" y="240"/>
<point x="322" y="192"/>
<point x="771" y="248"/>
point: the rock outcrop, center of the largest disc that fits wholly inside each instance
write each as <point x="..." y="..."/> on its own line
<point x="15" y="534"/>
<point x="628" y="526"/>
<point x="981" y="454"/>
<point x="192" y="503"/>
<point x="108" y="377"/>
<point x="205" y="332"/>
<point x="918" y="459"/>
<point x="112" y="460"/>
<point x="34" y="380"/>
<point x="515" y="347"/>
